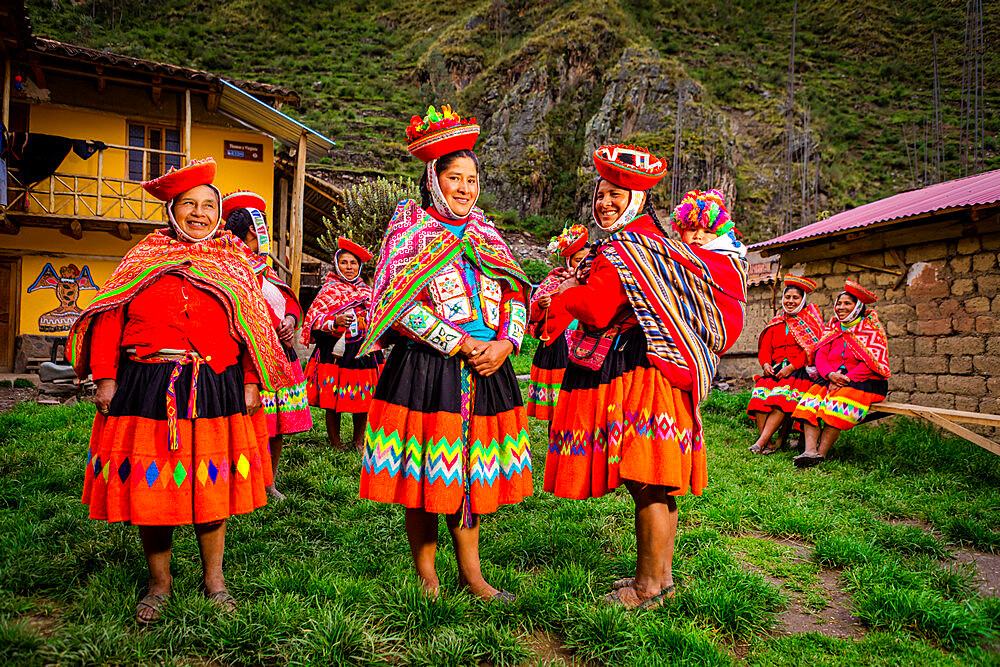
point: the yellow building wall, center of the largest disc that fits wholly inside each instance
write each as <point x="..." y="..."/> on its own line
<point x="100" y="251"/>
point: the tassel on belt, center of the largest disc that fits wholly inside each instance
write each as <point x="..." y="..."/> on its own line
<point x="180" y="359"/>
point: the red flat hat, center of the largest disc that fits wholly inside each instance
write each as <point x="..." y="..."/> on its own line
<point x="858" y="292"/>
<point x="629" y="167"/>
<point x="442" y="142"/>
<point x="353" y="248"/>
<point x="176" y="181"/>
<point x="804" y="284"/>
<point x="242" y="199"/>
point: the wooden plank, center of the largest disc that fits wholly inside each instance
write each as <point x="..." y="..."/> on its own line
<point x="6" y="93"/>
<point x="298" y="212"/>
<point x="971" y="436"/>
<point x="187" y="124"/>
<point x="282" y="248"/>
<point x="954" y="415"/>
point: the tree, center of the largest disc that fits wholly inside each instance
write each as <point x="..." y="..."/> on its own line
<point x="365" y="214"/>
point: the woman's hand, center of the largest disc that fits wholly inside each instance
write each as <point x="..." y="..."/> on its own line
<point x="839" y="379"/>
<point x="785" y="372"/>
<point x="544" y="301"/>
<point x="472" y="347"/>
<point x="344" y="319"/>
<point x="768" y="369"/>
<point x="286" y="330"/>
<point x="491" y="357"/>
<point x="251" y="394"/>
<point x="106" y="389"/>
<point x="567" y="284"/>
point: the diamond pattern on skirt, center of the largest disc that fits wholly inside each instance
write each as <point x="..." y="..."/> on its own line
<point x="243" y="466"/>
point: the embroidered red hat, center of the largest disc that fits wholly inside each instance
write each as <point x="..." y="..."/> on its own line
<point x="629" y="167"/>
<point x="176" y="181"/>
<point x="805" y="284"/>
<point x="439" y="133"/>
<point x="350" y="246"/>
<point x="858" y="292"/>
<point x="242" y="199"/>
<point x="570" y="241"/>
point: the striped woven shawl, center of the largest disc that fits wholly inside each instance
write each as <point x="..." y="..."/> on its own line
<point x="866" y="339"/>
<point x="221" y="266"/>
<point x="806" y="326"/>
<point x="416" y="247"/>
<point x="690" y="303"/>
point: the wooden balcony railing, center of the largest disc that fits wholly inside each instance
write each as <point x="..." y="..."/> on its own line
<point x="82" y="196"/>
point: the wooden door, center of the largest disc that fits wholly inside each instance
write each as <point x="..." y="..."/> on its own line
<point x="8" y="312"/>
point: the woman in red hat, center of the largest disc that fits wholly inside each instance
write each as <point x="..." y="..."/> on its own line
<point x="654" y="315"/>
<point x="338" y="379"/>
<point x="286" y="410"/>
<point x="852" y="360"/>
<point x="783" y="351"/>
<point x="179" y="438"/>
<point x="447" y="432"/>
<point x="549" y="363"/>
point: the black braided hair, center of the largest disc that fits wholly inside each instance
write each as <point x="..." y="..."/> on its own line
<point x="239" y="223"/>
<point x="442" y="165"/>
<point x="648" y="210"/>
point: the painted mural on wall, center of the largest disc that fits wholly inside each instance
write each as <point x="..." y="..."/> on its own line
<point x="67" y="285"/>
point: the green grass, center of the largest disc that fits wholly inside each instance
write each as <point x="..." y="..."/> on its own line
<point x="325" y="578"/>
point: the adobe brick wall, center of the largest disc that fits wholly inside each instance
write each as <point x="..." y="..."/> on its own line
<point x="943" y="322"/>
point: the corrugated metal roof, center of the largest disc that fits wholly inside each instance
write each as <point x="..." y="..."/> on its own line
<point x="269" y="120"/>
<point x="969" y="191"/>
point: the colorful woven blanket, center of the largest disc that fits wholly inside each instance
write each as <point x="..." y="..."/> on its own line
<point x="416" y="247"/>
<point x="221" y="267"/>
<point x="866" y="339"/>
<point x="806" y="326"/>
<point x="336" y="295"/>
<point x="262" y="268"/>
<point x="691" y="305"/>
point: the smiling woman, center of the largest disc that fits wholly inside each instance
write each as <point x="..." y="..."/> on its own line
<point x="179" y="437"/>
<point x="447" y="281"/>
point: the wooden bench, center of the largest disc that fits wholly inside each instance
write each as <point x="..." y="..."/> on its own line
<point x="946" y="419"/>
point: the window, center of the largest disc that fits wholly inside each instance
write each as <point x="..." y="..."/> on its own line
<point x="145" y="165"/>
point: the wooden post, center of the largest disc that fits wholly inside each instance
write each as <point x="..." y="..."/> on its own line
<point x="187" y="124"/>
<point x="100" y="182"/>
<point x="6" y="93"/>
<point x="298" y="211"/>
<point x="282" y="249"/>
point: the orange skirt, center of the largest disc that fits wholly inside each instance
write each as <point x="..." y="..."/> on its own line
<point x="548" y="367"/>
<point x="623" y="422"/>
<point x="220" y="468"/>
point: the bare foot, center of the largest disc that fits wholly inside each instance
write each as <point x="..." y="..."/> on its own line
<point x="274" y="494"/>
<point x="150" y="608"/>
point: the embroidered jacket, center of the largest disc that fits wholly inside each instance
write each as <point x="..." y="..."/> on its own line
<point x="421" y="288"/>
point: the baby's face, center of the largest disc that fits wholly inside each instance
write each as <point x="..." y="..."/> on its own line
<point x="697" y="237"/>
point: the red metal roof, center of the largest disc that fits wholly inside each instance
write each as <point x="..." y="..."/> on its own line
<point x="969" y="191"/>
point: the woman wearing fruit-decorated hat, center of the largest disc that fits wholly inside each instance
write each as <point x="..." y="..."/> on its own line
<point x="179" y="342"/>
<point x="338" y="379"/>
<point x="447" y="432"/>
<point x="852" y="360"/>
<point x="654" y="315"/>
<point x="286" y="410"/>
<point x="783" y="351"/>
<point x="549" y="363"/>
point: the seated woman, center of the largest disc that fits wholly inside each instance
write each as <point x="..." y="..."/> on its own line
<point x="180" y="342"/>
<point x="447" y="432"/>
<point x="654" y="315"/>
<point x="852" y="359"/>
<point x="783" y="351"/>
<point x="549" y="363"/>
<point x="339" y="380"/>
<point x="285" y="410"/>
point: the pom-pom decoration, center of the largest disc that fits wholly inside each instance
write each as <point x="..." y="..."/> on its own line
<point x="439" y="133"/>
<point x="570" y="241"/>
<point x="702" y="210"/>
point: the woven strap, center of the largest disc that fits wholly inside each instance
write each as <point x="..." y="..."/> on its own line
<point x="179" y="361"/>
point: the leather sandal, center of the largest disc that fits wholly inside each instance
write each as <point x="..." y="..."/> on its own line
<point x="223" y="599"/>
<point x="156" y="602"/>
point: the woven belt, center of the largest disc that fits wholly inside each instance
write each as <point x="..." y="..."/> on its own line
<point x="180" y="359"/>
